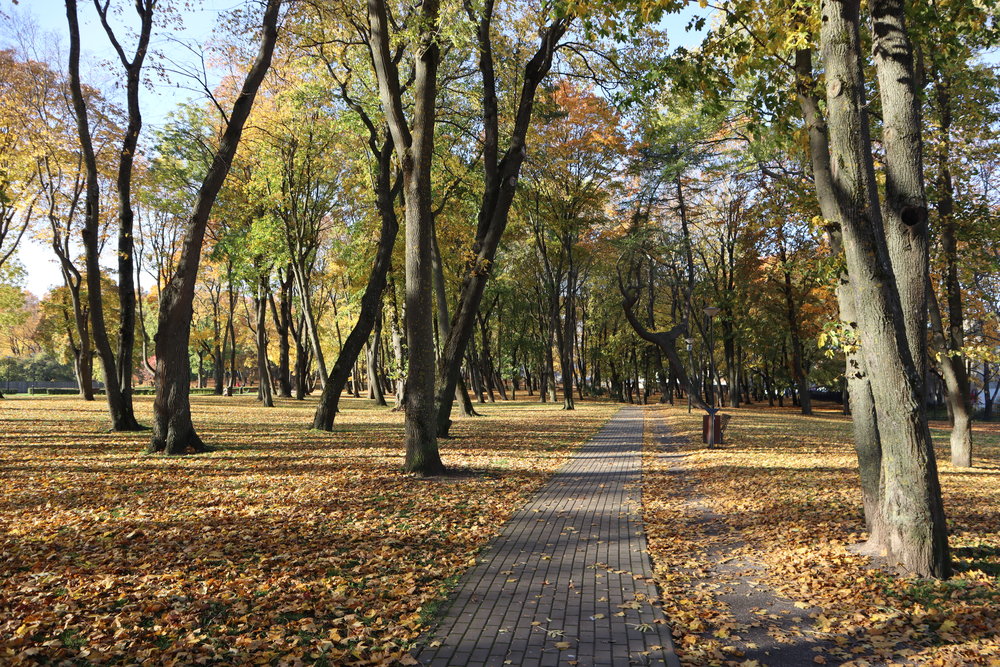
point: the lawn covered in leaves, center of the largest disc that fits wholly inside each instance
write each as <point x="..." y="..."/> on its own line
<point x="284" y="546"/>
<point x="785" y="493"/>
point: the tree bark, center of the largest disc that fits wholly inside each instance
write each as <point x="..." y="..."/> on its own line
<point x="173" y="429"/>
<point x="387" y="188"/>
<point x="263" y="369"/>
<point x="867" y="443"/>
<point x="119" y="404"/>
<point x="126" y="215"/>
<point x="500" y="181"/>
<point x="951" y="344"/>
<point x="915" y="534"/>
<point x="282" y="315"/>
<point x="415" y="147"/>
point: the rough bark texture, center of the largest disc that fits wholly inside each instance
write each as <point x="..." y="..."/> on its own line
<point x="914" y="535"/>
<point x="415" y="147"/>
<point x="173" y="430"/>
<point x="867" y="444"/>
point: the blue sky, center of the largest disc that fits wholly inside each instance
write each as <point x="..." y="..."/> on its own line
<point x="101" y="67"/>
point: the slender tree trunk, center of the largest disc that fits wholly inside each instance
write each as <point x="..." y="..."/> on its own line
<point x="263" y="369"/>
<point x="501" y="176"/>
<point x="312" y="329"/>
<point x="798" y="372"/>
<point x="119" y="403"/>
<point x="373" y="361"/>
<point x="387" y="188"/>
<point x="444" y="327"/>
<point x="282" y="315"/>
<point x="953" y="363"/>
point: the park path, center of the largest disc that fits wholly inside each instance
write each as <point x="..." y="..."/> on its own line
<point x="568" y="580"/>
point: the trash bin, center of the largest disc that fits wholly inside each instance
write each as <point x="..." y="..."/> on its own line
<point x="717" y="423"/>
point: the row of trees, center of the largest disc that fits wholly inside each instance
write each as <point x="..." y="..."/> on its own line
<point x="542" y="165"/>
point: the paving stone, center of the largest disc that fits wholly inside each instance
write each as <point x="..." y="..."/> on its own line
<point x="577" y="552"/>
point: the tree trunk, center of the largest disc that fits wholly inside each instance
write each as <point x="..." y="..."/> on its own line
<point x="798" y="372"/>
<point x="444" y="327"/>
<point x="957" y="386"/>
<point x="263" y="369"/>
<point x="173" y="429"/>
<point x="282" y="315"/>
<point x="500" y="181"/>
<point x="415" y="146"/>
<point x="953" y="363"/>
<point x="375" y="387"/>
<point x="915" y="534"/>
<point x="387" y="188"/>
<point x="867" y="443"/>
<point x="119" y="402"/>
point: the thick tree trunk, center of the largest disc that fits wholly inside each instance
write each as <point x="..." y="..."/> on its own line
<point x="915" y="534"/>
<point x="173" y="429"/>
<point x="864" y="420"/>
<point x="415" y="146"/>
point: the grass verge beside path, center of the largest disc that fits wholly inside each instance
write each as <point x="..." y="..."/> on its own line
<point x="786" y="486"/>
<point x="285" y="545"/>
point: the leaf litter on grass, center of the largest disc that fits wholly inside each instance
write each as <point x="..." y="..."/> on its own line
<point x="284" y="546"/>
<point x="786" y="487"/>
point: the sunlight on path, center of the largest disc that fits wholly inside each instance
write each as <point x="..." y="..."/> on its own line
<point x="567" y="582"/>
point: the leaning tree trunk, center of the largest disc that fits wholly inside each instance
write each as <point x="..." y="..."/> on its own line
<point x="500" y="180"/>
<point x="915" y="534"/>
<point x="371" y="299"/>
<point x="173" y="429"/>
<point x="867" y="443"/>
<point x="444" y="327"/>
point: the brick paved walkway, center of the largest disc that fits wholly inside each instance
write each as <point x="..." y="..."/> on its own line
<point x="566" y="582"/>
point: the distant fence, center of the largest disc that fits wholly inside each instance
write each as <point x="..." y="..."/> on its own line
<point x="826" y="395"/>
<point x="28" y="386"/>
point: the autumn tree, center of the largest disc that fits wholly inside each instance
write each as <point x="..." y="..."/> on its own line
<point x="173" y="430"/>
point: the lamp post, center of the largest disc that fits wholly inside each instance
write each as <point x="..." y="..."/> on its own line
<point x="711" y="312"/>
